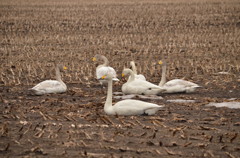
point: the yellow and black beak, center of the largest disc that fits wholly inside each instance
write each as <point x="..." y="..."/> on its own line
<point x="94" y="59"/>
<point x="64" y="68"/>
<point x="123" y="74"/>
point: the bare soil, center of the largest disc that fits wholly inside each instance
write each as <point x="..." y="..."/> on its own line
<point x="73" y="124"/>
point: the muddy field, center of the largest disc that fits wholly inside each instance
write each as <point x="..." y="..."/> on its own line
<point x="199" y="39"/>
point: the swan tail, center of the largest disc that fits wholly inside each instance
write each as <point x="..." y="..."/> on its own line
<point x="34" y="92"/>
<point x="152" y="91"/>
<point x="152" y="111"/>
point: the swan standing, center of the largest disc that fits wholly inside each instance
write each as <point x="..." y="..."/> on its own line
<point x="104" y="69"/>
<point x="134" y="69"/>
<point x="175" y="85"/>
<point x="129" y="106"/>
<point x="137" y="86"/>
<point x="51" y="86"/>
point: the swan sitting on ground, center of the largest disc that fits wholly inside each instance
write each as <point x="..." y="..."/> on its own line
<point x="175" y="85"/>
<point x="137" y="86"/>
<point x="104" y="69"/>
<point x="129" y="106"/>
<point x="134" y="69"/>
<point x="51" y="86"/>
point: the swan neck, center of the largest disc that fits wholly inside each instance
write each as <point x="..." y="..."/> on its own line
<point x="108" y="102"/>
<point x="132" y="76"/>
<point x="58" y="74"/>
<point x="163" y="78"/>
<point x="134" y="69"/>
<point x="105" y="61"/>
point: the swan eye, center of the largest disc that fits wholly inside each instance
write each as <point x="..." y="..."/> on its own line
<point x="64" y="68"/>
<point x="104" y="76"/>
<point x="160" y="62"/>
<point x="94" y="59"/>
<point x="123" y="75"/>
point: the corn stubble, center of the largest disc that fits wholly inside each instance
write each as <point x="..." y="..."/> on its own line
<point x="197" y="41"/>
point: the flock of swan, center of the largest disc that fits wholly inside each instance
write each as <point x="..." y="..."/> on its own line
<point x="136" y="84"/>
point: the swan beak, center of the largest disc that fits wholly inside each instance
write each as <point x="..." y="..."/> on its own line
<point x="160" y="62"/>
<point x="123" y="75"/>
<point x="104" y="76"/>
<point x="94" y="59"/>
<point x="64" y="68"/>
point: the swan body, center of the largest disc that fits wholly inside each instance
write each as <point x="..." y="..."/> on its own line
<point x="137" y="86"/>
<point x="134" y="69"/>
<point x="128" y="106"/>
<point x="179" y="85"/>
<point x="51" y="86"/>
<point x="104" y="69"/>
<point x="176" y="85"/>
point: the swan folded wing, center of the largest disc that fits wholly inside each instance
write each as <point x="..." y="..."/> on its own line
<point x="135" y="107"/>
<point x="49" y="86"/>
<point x="174" y="89"/>
<point x="104" y="70"/>
<point x="141" y="87"/>
<point x="144" y="85"/>
<point x="176" y="82"/>
<point x="179" y="88"/>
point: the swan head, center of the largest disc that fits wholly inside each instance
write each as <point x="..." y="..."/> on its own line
<point x="109" y="76"/>
<point x="132" y="63"/>
<point x="162" y="62"/>
<point x="97" y="57"/>
<point x="126" y="72"/>
<point x="61" y="67"/>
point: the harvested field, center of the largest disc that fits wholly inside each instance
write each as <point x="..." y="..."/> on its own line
<point x="198" y="38"/>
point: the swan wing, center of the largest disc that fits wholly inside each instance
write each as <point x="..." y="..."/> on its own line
<point x="179" y="85"/>
<point x="141" y="87"/>
<point x="135" y="107"/>
<point x="176" y="82"/>
<point x="175" y="89"/>
<point x="145" y="85"/>
<point x="49" y="86"/>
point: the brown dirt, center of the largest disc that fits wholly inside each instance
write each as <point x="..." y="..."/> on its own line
<point x="74" y="124"/>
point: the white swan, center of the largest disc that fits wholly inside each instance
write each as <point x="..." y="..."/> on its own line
<point x="104" y="69"/>
<point x="175" y="85"/>
<point x="137" y="86"/>
<point x="129" y="106"/>
<point x="51" y="86"/>
<point x="134" y="69"/>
